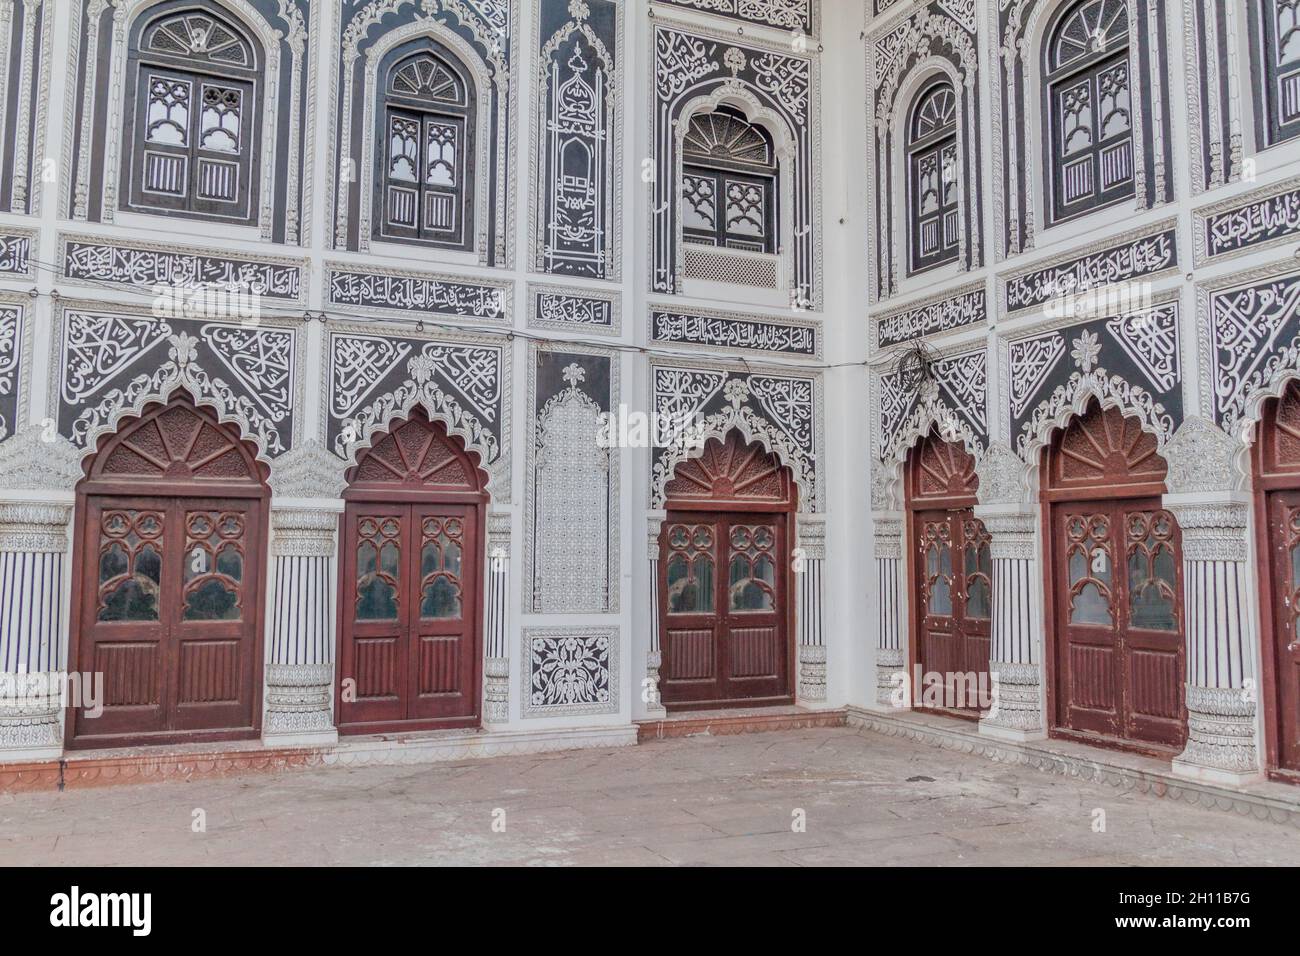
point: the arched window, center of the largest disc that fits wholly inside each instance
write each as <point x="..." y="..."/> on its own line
<point x="426" y="126"/>
<point x="1280" y="56"/>
<point x="1089" y="108"/>
<point x="932" y="177"/>
<point x="191" y="128"/>
<point x="729" y="180"/>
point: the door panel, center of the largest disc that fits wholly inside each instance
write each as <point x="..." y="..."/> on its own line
<point x="1284" y="539"/>
<point x="408" y="635"/>
<point x="442" y="628"/>
<point x="724" y="638"/>
<point x="169" y="614"/>
<point x="1120" y="656"/>
<point x="954" y="574"/>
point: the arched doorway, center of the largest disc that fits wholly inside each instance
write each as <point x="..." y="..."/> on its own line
<point x="952" y="578"/>
<point x="727" y="622"/>
<point x="1114" y="604"/>
<point x="1277" y="484"/>
<point x="171" y="529"/>
<point x="410" y="595"/>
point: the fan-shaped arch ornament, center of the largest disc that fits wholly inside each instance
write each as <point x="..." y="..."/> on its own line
<point x="1104" y="448"/>
<point x="417" y="453"/>
<point x="941" y="469"/>
<point x="179" y="442"/>
<point x="732" y="469"/>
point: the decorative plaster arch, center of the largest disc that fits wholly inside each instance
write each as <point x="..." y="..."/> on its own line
<point x="469" y="60"/>
<point x="1055" y="413"/>
<point x="753" y="429"/>
<point x="124" y="19"/>
<point x="887" y="483"/>
<point x="733" y="93"/>
<point x="161" y="393"/>
<point x="164" y="397"/>
<point x="459" y="423"/>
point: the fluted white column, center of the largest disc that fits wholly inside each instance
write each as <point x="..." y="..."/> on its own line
<point x="33" y="628"/>
<point x="1014" y="653"/>
<point x="809" y="608"/>
<point x="1221" y="679"/>
<point x="300" y="658"/>
<point x="496" y="663"/>
<point x="1218" y="623"/>
<point x="654" y="658"/>
<point x="890" y="651"/>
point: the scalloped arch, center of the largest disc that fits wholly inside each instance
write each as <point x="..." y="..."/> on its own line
<point x="753" y="430"/>
<point x="383" y="425"/>
<point x="1075" y="408"/>
<point x="164" y="396"/>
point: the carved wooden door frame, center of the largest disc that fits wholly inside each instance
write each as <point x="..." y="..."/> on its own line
<point x="1276" y="478"/>
<point x="108" y="482"/>
<point x="939" y="484"/>
<point x="1117" y="488"/>
<point x="695" y="497"/>
<point x="452" y="486"/>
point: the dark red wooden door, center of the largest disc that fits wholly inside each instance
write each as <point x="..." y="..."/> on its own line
<point x="168" y="601"/>
<point x="1116" y="587"/>
<point x="724" y="639"/>
<point x="166" y="616"/>
<point x="723" y="590"/>
<point x="410" y="597"/>
<point x="1276" y="461"/>
<point x="952" y="578"/>
<point x="409" y="627"/>
<point x="1284" y="536"/>
<point x="954" y="572"/>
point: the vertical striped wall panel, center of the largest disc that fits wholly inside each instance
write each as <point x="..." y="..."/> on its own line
<point x="654" y="604"/>
<point x="31" y="611"/>
<point x="1012" y="614"/>
<point x="1216" y="624"/>
<point x="810" y="603"/>
<point x="495" y="616"/>
<point x="304" y="610"/>
<point x="887" y="582"/>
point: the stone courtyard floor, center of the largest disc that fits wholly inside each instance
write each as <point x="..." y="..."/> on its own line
<point x="865" y="799"/>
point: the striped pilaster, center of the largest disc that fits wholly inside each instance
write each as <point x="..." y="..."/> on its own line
<point x="496" y="665"/>
<point x="300" y="659"/>
<point x="1221" y="677"/>
<point x="889" y="638"/>
<point x="33" y="622"/>
<point x="810" y="607"/>
<point x="654" y="658"/>
<point x="1014" y="652"/>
